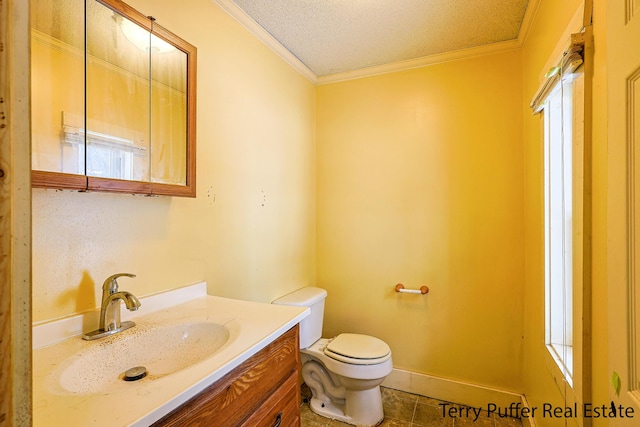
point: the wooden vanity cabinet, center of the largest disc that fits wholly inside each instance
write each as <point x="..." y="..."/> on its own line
<point x="261" y="392"/>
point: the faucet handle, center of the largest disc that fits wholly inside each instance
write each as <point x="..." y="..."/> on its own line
<point x="111" y="285"/>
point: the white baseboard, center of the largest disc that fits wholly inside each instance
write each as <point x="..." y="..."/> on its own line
<point x="459" y="392"/>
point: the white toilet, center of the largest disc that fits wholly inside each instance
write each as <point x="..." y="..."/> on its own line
<point x="344" y="373"/>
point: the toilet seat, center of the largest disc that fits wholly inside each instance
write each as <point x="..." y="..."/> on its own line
<point x="358" y="349"/>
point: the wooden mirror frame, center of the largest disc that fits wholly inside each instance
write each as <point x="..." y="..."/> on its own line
<point x="66" y="181"/>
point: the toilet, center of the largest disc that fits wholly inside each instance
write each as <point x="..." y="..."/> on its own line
<point x="344" y="373"/>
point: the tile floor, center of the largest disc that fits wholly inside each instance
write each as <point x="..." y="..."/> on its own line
<point x="406" y="410"/>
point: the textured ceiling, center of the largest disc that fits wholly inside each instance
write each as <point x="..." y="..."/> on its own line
<point x="335" y="36"/>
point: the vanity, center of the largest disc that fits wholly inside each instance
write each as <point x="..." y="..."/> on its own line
<point x="208" y="361"/>
<point x="263" y="391"/>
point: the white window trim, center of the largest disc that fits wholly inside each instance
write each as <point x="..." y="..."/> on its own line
<point x="558" y="221"/>
<point x="570" y="386"/>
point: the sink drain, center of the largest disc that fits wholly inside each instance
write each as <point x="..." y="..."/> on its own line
<point x="135" y="374"/>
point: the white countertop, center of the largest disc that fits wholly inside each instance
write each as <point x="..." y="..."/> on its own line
<point x="251" y="325"/>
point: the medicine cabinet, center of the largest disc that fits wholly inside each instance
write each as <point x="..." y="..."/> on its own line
<point x="113" y="100"/>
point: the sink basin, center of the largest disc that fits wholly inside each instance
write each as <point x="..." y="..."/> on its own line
<point x="163" y="350"/>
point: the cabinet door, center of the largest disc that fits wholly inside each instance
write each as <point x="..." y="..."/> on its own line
<point x="113" y="98"/>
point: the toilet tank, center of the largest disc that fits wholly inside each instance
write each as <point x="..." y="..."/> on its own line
<point x="311" y="326"/>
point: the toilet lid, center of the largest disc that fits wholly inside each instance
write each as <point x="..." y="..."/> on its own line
<point x="358" y="349"/>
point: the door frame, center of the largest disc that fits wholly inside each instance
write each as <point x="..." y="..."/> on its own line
<point x="15" y="215"/>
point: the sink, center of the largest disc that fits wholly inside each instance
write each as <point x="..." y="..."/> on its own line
<point x="187" y="341"/>
<point x="99" y="366"/>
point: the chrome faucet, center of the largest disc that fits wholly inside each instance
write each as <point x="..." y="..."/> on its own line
<point x="110" y="310"/>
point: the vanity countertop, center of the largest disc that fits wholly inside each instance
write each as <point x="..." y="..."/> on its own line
<point x="251" y="327"/>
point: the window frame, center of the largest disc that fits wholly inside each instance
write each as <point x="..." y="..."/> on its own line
<point x="559" y="119"/>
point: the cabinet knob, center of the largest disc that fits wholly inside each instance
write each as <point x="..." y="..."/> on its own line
<point x="278" y="420"/>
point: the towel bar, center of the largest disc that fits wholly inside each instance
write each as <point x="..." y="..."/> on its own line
<point x="423" y="289"/>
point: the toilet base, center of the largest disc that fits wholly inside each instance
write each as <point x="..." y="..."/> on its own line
<point x="361" y="408"/>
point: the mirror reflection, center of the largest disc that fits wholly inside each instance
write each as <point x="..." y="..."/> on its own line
<point x="57" y="82"/>
<point x="168" y="113"/>
<point x="127" y="117"/>
<point x="118" y="93"/>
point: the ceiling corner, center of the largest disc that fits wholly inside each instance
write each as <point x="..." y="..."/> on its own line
<point x="529" y="15"/>
<point x="231" y="9"/>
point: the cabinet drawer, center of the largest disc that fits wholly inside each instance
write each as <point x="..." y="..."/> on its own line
<point x="280" y="409"/>
<point x="240" y="393"/>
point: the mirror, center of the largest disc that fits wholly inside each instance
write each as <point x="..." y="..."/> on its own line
<point x="113" y="107"/>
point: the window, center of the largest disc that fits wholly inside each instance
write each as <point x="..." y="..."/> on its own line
<point x="558" y="220"/>
<point x="105" y="156"/>
<point x="561" y="102"/>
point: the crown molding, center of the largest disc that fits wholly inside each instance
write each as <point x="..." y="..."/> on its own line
<point x="420" y="62"/>
<point x="527" y="21"/>
<point x="253" y="27"/>
<point x="532" y="8"/>
<point x="261" y="34"/>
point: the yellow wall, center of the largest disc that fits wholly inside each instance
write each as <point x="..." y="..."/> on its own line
<point x="250" y="233"/>
<point x="420" y="182"/>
